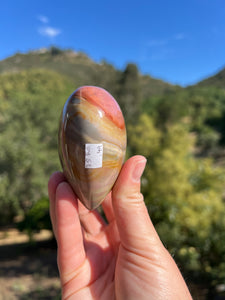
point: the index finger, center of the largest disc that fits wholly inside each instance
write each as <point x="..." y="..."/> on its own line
<point x="71" y="253"/>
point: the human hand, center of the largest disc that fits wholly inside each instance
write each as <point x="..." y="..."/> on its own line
<point x="123" y="259"/>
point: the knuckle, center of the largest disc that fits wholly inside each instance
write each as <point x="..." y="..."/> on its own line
<point x="135" y="199"/>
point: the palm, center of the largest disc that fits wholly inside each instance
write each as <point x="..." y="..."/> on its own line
<point x="96" y="274"/>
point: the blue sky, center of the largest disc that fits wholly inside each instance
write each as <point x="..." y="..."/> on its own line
<point x="178" y="41"/>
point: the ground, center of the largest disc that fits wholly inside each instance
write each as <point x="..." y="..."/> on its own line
<point x="28" y="271"/>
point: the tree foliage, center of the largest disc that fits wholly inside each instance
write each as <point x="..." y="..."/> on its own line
<point x="28" y="137"/>
<point x="130" y="93"/>
<point x="184" y="194"/>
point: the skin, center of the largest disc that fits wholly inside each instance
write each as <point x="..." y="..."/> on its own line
<point x="121" y="259"/>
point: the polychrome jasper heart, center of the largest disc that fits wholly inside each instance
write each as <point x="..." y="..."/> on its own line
<point x="92" y="143"/>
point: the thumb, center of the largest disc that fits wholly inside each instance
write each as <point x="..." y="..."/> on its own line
<point x="133" y="222"/>
<point x="138" y="236"/>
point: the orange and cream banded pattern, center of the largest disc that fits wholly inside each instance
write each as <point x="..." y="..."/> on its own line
<point x="91" y="116"/>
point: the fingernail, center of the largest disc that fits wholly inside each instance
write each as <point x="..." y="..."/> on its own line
<point x="139" y="169"/>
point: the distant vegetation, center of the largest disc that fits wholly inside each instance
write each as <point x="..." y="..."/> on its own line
<point x="181" y="131"/>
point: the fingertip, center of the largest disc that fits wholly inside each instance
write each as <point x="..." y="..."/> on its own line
<point x="131" y="163"/>
<point x="55" y="179"/>
<point x="61" y="187"/>
<point x="66" y="201"/>
<point x="65" y="192"/>
<point x="129" y="177"/>
<point x="135" y="159"/>
<point x="138" y="158"/>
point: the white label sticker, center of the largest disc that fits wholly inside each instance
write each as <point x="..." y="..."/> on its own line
<point x="93" y="156"/>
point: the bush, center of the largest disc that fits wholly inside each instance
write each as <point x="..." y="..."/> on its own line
<point x="37" y="218"/>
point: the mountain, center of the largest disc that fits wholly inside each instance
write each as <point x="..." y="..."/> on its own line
<point x="81" y="69"/>
<point x="217" y="80"/>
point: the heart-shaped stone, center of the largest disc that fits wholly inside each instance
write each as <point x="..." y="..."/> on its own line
<point x="92" y="143"/>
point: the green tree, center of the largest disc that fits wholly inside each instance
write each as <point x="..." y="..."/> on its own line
<point x="129" y="96"/>
<point x="32" y="104"/>
<point x="184" y="196"/>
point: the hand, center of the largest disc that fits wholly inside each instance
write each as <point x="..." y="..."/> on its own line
<point x="123" y="259"/>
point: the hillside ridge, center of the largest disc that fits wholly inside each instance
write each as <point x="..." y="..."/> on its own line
<point x="79" y="67"/>
<point x="216" y="80"/>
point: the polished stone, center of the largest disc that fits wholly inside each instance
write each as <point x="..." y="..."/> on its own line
<point x="92" y="143"/>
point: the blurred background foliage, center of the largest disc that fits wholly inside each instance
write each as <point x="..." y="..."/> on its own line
<point x="181" y="132"/>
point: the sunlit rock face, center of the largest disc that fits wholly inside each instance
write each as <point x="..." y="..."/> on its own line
<point x="92" y="143"/>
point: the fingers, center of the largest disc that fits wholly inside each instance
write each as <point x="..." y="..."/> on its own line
<point x="131" y="214"/>
<point x="91" y="221"/>
<point x="71" y="252"/>
<point x="54" y="181"/>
